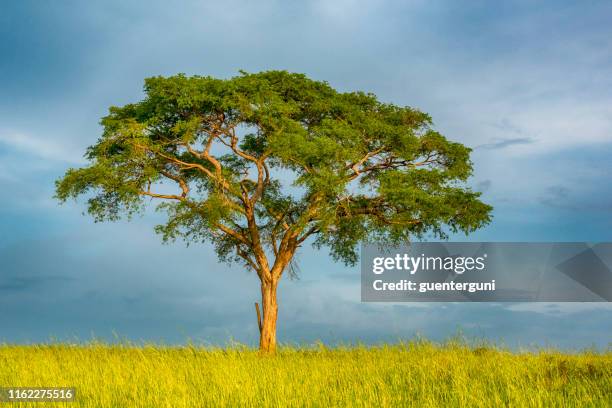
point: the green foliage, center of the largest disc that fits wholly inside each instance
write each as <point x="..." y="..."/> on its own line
<point x="358" y="169"/>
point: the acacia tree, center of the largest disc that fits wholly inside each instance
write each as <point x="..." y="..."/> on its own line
<point x="260" y="163"/>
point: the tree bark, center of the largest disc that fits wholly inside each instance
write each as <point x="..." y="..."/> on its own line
<point x="267" y="338"/>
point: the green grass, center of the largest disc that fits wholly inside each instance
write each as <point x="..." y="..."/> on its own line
<point x="419" y="374"/>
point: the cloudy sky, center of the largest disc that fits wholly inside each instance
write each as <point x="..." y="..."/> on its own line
<point x="527" y="84"/>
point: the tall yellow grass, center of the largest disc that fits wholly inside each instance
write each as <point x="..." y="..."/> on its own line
<point x="420" y="374"/>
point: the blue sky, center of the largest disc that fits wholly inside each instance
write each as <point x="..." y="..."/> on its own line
<point x="527" y="84"/>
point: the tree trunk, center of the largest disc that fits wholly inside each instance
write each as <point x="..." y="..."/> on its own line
<point x="267" y="338"/>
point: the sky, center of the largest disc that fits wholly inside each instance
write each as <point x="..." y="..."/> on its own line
<point x="526" y="84"/>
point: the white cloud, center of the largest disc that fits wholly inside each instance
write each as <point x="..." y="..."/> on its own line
<point x="41" y="148"/>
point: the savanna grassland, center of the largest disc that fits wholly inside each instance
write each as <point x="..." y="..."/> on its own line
<point x="415" y="373"/>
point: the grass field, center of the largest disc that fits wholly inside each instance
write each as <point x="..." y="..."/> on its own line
<point x="416" y="373"/>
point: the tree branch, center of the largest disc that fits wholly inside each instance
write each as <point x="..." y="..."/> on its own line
<point x="244" y="255"/>
<point x="312" y="230"/>
<point x="164" y="196"/>
<point x="234" y="234"/>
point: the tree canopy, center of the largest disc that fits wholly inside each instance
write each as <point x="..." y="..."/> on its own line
<point x="258" y="163"/>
